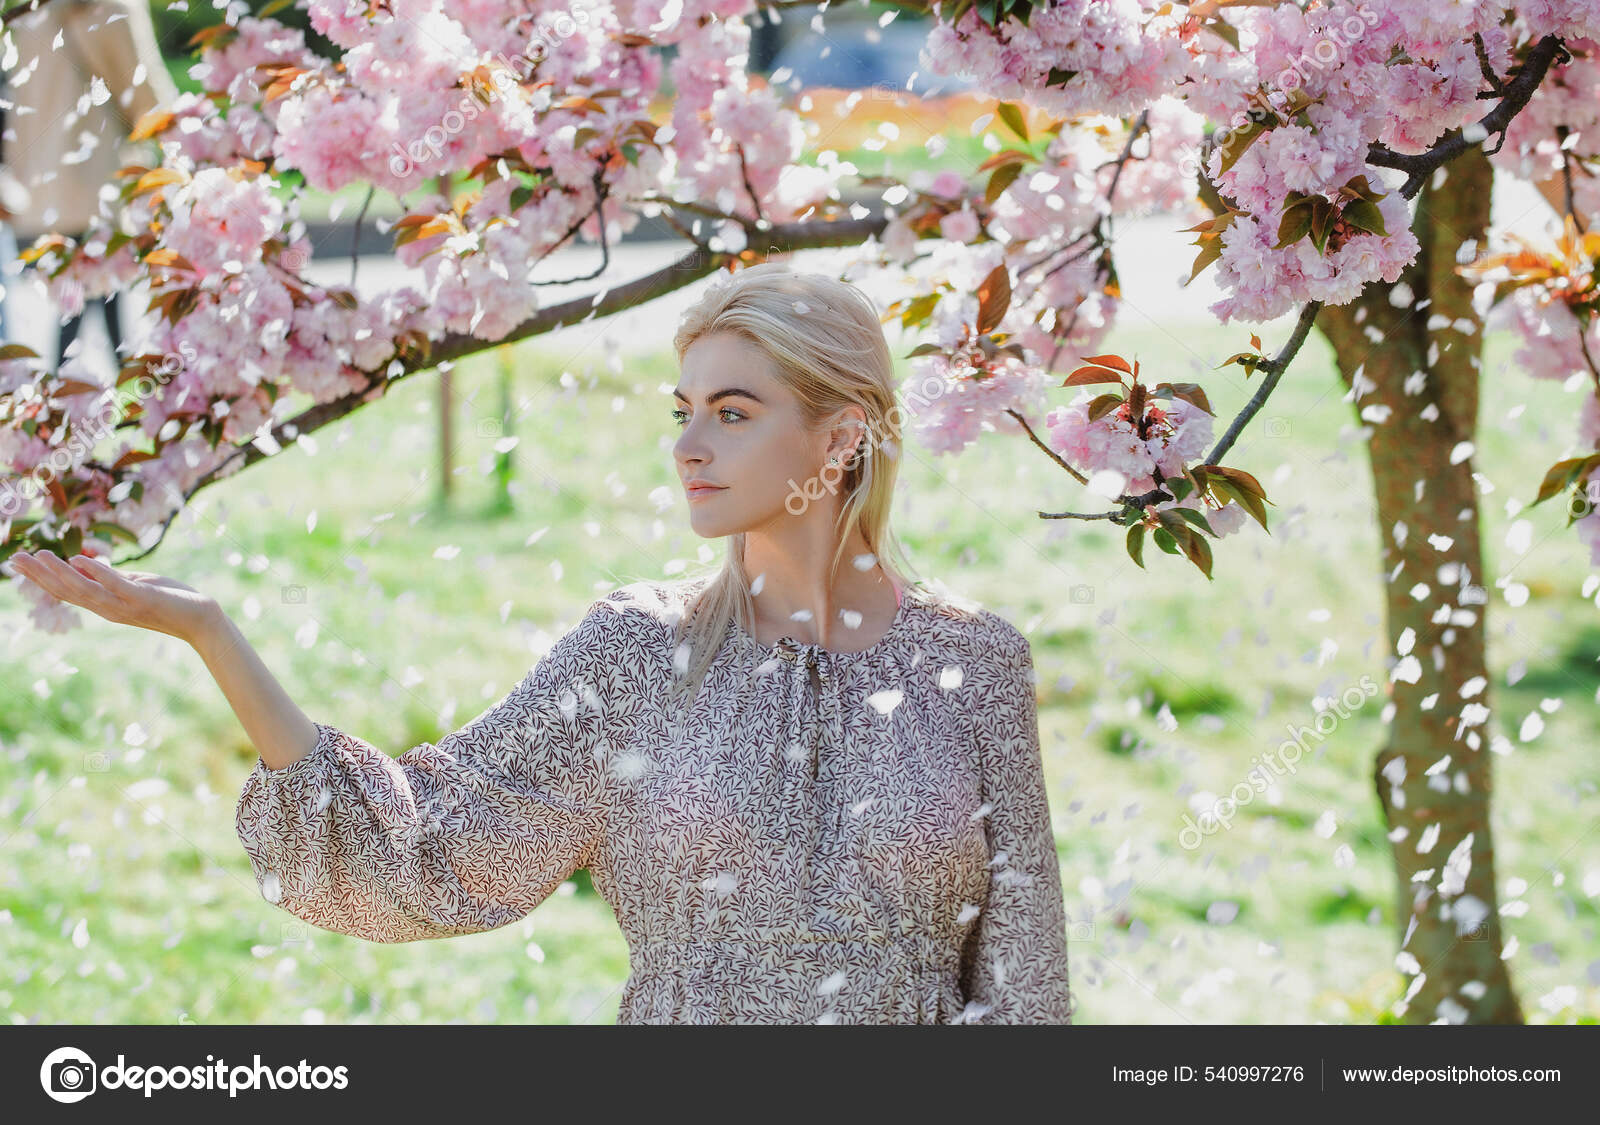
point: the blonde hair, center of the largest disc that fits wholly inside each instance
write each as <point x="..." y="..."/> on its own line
<point x="824" y="339"/>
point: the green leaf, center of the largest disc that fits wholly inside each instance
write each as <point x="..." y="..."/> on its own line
<point x="1102" y="405"/>
<point x="923" y="349"/>
<point x="1013" y="118"/>
<point x="1165" y="541"/>
<point x="1136" y="543"/>
<point x="1000" y="180"/>
<point x="1199" y="552"/>
<point x="1196" y="517"/>
<point x="1296" y="225"/>
<point x="1241" y="139"/>
<point x="1364" y="215"/>
<point x="1321" y="224"/>
<point x="919" y="310"/>
<point x="114" y="531"/>
<point x="1564" y="473"/>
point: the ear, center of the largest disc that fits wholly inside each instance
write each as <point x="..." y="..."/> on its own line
<point x="848" y="436"/>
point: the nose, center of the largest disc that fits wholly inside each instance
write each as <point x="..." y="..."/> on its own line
<point x="689" y="449"/>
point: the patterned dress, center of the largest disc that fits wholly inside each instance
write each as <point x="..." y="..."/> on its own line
<point x="820" y="837"/>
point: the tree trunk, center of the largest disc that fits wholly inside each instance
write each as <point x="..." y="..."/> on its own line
<point x="1433" y="774"/>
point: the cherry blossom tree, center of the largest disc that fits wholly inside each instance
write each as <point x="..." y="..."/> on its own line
<point x="1332" y="160"/>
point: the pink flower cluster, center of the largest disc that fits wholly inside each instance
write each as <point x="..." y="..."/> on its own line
<point x="1178" y="432"/>
<point x="1121" y="54"/>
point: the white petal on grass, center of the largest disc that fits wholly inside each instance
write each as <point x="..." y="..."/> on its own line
<point x="148" y="789"/>
<point x="1532" y="727"/>
<point x="306" y="635"/>
<point x="447" y="552"/>
<point x="1221" y="913"/>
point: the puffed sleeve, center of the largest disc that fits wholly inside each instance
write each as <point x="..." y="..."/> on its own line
<point x="1014" y="960"/>
<point x="467" y="835"/>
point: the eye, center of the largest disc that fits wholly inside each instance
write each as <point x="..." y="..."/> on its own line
<point x="681" y="417"/>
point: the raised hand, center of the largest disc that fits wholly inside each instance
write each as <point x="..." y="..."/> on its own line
<point x="146" y="601"/>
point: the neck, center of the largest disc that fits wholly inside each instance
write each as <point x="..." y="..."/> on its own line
<point x="792" y="578"/>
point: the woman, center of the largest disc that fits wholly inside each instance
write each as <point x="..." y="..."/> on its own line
<point x="810" y="792"/>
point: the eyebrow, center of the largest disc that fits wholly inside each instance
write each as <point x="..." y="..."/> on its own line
<point x="724" y="393"/>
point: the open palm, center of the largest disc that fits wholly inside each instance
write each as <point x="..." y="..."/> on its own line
<point x="146" y="601"/>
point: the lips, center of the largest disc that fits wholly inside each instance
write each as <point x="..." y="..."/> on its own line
<point x="702" y="490"/>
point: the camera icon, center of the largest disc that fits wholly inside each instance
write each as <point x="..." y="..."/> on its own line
<point x="67" y="1075"/>
<point x="1276" y="427"/>
<point x="490" y="428"/>
<point x="1080" y="931"/>
<point x="292" y="933"/>
<point x="1480" y="932"/>
<point x="98" y="762"/>
<point x="1081" y="595"/>
<point x="294" y="595"/>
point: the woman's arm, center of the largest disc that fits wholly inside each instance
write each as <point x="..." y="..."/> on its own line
<point x="280" y="731"/>
<point x="1014" y="961"/>
<point x="465" y="835"/>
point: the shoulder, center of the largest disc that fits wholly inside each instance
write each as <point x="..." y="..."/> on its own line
<point x="633" y="624"/>
<point x="969" y="629"/>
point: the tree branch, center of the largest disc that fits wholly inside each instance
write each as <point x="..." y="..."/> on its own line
<point x="778" y="238"/>
<point x="1517" y="93"/>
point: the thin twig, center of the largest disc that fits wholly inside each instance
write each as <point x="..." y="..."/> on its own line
<point x="1054" y="456"/>
<point x="355" y="236"/>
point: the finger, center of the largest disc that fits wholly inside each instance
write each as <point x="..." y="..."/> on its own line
<point x="102" y="573"/>
<point x="68" y="583"/>
<point x="96" y="570"/>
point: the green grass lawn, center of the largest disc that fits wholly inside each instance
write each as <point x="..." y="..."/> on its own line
<point x="125" y="896"/>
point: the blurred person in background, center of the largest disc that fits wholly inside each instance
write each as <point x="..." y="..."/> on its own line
<point x="71" y="108"/>
<point x="13" y="198"/>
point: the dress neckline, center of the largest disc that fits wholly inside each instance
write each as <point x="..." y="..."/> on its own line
<point x="906" y="599"/>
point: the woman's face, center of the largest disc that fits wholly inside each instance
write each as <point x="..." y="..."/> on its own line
<point x="742" y="430"/>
